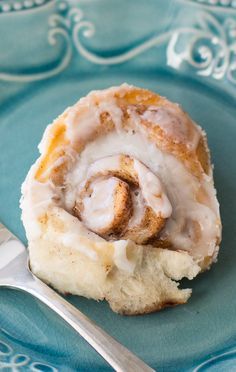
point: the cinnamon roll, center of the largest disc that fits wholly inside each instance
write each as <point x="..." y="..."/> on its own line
<point x="121" y="203"/>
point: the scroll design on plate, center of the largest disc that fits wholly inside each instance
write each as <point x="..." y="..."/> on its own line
<point x="60" y="26"/>
<point x="14" y="362"/>
<point x="209" y="47"/>
<point x="217" y="360"/>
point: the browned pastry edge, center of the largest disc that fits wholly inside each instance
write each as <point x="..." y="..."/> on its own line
<point x="147" y="309"/>
<point x="197" y="161"/>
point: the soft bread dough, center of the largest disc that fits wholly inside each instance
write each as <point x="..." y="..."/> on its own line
<point x="121" y="204"/>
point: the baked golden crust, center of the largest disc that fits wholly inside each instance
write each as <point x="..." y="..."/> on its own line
<point x="136" y="101"/>
<point x="196" y="159"/>
<point x="146" y="309"/>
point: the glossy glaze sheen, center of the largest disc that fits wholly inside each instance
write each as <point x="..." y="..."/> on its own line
<point x="201" y="334"/>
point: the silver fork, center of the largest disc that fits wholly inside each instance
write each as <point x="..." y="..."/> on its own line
<point x="15" y="273"/>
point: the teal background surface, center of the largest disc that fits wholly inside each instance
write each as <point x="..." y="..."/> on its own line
<point x="131" y="43"/>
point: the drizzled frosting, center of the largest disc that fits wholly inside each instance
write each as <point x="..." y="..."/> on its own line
<point x="153" y="191"/>
<point x="175" y="124"/>
<point x="98" y="208"/>
<point x="105" y="200"/>
<point x="166" y="185"/>
<point x="181" y="188"/>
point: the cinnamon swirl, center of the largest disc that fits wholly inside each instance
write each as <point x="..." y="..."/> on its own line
<point x="121" y="203"/>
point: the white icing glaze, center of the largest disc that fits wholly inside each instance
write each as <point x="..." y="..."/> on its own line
<point x="81" y="121"/>
<point x="111" y="163"/>
<point x="98" y="211"/>
<point x="74" y="240"/>
<point x="152" y="191"/>
<point x="180" y="186"/>
<point x="138" y="208"/>
<point x="175" y="123"/>
<point x="100" y="205"/>
<point x="36" y="199"/>
<point x="114" y="111"/>
<point x="84" y="117"/>
<point x="120" y="256"/>
<point x="75" y="226"/>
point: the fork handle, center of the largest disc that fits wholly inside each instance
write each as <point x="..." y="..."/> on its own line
<point x="118" y="356"/>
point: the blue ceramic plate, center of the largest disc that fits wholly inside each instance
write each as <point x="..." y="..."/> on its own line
<point x="52" y="53"/>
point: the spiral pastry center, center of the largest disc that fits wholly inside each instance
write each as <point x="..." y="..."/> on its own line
<point x="122" y="199"/>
